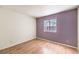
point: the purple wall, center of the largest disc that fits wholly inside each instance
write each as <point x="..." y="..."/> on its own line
<point x="66" y="28"/>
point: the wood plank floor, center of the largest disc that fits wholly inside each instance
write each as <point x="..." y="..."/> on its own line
<point x="39" y="46"/>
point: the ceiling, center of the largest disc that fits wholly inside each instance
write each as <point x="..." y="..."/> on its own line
<point x="39" y="10"/>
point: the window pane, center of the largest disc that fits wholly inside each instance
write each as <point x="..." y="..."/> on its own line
<point x="50" y="25"/>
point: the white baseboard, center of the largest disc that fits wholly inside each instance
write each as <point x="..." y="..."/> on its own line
<point x="57" y="43"/>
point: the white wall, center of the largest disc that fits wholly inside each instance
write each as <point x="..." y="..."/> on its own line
<point x="78" y="28"/>
<point x="15" y="28"/>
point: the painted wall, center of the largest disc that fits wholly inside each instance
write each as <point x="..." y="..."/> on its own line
<point x="66" y="28"/>
<point x="15" y="28"/>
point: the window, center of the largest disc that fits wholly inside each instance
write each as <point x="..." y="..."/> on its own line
<point x="50" y="25"/>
